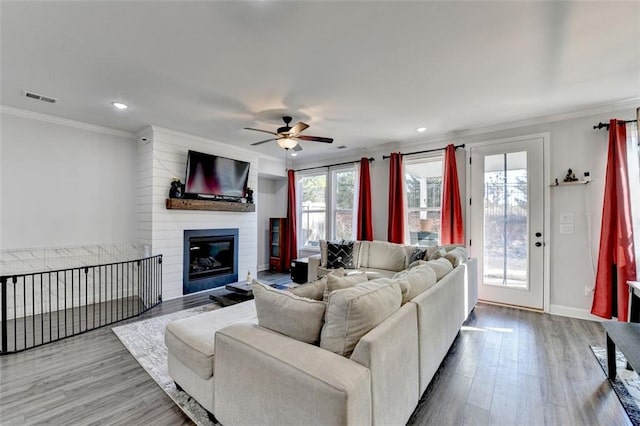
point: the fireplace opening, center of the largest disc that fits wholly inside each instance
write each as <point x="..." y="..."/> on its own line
<point x="210" y="259"/>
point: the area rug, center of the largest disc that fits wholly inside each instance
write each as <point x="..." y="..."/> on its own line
<point x="145" y="341"/>
<point x="626" y="384"/>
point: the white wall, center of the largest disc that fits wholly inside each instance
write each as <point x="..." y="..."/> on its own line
<point x="168" y="159"/>
<point x="64" y="183"/>
<point x="573" y="144"/>
<point x="272" y="202"/>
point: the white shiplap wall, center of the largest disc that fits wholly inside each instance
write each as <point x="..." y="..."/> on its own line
<point x="167" y="157"/>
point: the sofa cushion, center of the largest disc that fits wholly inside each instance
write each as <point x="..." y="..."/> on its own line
<point x="383" y="255"/>
<point x="340" y="254"/>
<point x="440" y="266"/>
<point x="457" y="256"/>
<point x="313" y="290"/>
<point x="353" y="312"/>
<point x="191" y="340"/>
<point x="297" y="317"/>
<point x="415" y="281"/>
<point x="335" y="282"/>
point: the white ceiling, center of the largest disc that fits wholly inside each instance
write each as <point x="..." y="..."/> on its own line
<point x="364" y="73"/>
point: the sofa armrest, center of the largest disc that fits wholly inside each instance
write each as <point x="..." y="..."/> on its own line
<point x="263" y="377"/>
<point x="312" y="268"/>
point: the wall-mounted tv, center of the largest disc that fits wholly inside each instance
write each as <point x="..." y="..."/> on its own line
<point x="215" y="176"/>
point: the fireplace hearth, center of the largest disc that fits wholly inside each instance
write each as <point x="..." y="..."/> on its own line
<point x="210" y="259"/>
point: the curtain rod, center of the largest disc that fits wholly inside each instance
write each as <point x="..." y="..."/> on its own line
<point x="384" y="157"/>
<point x="606" y="125"/>
<point x="333" y="165"/>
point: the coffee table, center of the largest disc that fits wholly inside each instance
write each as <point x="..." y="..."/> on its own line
<point x="232" y="293"/>
<point x="626" y="336"/>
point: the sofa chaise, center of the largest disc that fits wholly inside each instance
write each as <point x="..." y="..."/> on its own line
<point x="239" y="368"/>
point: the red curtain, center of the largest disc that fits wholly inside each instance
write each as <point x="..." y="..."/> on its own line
<point x="395" y="228"/>
<point x="291" y="239"/>
<point x="365" y="226"/>
<point x="451" y="223"/>
<point x="616" y="258"/>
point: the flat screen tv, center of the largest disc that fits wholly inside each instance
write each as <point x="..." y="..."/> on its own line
<point x="215" y="176"/>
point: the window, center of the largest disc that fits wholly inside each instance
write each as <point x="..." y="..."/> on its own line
<point x="423" y="181"/>
<point x="333" y="188"/>
<point x="343" y="204"/>
<point x="313" y="209"/>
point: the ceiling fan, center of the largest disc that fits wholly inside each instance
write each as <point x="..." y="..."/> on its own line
<point x="287" y="137"/>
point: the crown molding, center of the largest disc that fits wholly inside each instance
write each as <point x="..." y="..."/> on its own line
<point x="609" y="107"/>
<point x="65" y="122"/>
<point x="201" y="139"/>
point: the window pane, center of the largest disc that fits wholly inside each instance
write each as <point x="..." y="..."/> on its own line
<point x="344" y="190"/>
<point x="344" y="225"/>
<point x="313" y="227"/>
<point x="313" y="192"/>
<point x="505" y="219"/>
<point x="423" y="182"/>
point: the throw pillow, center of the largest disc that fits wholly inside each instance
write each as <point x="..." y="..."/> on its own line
<point x="435" y="252"/>
<point x="416" y="280"/>
<point x="440" y="266"/>
<point x="417" y="255"/>
<point x="457" y="256"/>
<point x="340" y="254"/>
<point x="313" y="290"/>
<point x="335" y="282"/>
<point x="353" y="312"/>
<point x="297" y="317"/>
<point x="323" y="253"/>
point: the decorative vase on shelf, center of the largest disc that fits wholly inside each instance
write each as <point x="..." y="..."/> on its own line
<point x="249" y="278"/>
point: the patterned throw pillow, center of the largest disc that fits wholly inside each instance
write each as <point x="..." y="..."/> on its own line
<point x="340" y="254"/>
<point x="419" y="254"/>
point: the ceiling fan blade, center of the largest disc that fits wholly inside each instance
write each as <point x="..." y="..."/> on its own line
<point x="315" y="139"/>
<point x="297" y="148"/>
<point x="264" y="141"/>
<point x="260" y="130"/>
<point x="298" y="128"/>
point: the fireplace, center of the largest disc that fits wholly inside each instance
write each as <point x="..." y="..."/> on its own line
<point x="210" y="259"/>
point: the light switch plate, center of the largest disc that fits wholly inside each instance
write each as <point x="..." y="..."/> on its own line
<point x="566" y="228"/>
<point x="566" y="217"/>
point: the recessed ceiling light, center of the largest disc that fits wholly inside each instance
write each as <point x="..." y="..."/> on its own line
<point x="421" y="129"/>
<point x="119" y="105"/>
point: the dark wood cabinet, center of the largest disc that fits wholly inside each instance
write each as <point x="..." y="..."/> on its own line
<point x="276" y="244"/>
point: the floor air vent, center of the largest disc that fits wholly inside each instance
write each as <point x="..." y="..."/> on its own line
<point x="40" y="97"/>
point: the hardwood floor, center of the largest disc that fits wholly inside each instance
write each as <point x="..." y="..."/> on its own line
<point x="507" y="366"/>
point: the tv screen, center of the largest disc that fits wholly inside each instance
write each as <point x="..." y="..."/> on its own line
<point x="216" y="176"/>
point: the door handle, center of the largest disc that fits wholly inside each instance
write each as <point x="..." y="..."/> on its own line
<point x="538" y="244"/>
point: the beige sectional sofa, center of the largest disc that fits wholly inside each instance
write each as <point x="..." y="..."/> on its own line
<point x="247" y="374"/>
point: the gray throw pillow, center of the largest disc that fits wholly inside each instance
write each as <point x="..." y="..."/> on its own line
<point x="335" y="282"/>
<point x="353" y="312"/>
<point x="313" y="290"/>
<point x="297" y="317"/>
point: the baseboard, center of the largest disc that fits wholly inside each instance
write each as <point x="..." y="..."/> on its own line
<point x="569" y="311"/>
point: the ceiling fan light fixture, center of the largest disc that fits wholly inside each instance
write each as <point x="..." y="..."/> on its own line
<point x="287" y="143"/>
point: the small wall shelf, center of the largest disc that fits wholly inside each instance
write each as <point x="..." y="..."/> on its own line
<point x="577" y="182"/>
<point x="214" y="205"/>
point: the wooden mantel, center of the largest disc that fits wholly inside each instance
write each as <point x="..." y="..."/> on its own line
<point x="227" y="206"/>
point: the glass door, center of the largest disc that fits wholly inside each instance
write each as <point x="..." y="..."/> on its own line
<point x="507" y="218"/>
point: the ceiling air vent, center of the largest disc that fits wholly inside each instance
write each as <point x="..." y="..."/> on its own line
<point x="40" y="97"/>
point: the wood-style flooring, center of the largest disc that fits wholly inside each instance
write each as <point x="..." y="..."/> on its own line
<point x="506" y="367"/>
